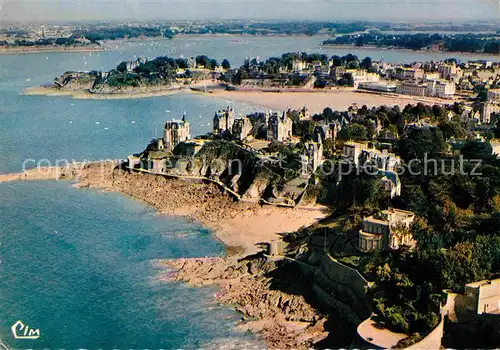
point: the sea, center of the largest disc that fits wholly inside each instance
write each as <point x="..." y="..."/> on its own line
<point x="81" y="266"/>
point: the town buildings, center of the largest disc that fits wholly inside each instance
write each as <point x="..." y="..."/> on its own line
<point x="487" y="110"/>
<point x="403" y="73"/>
<point x="412" y="88"/>
<point x="449" y="71"/>
<point x="279" y="128"/>
<point x="175" y="132"/>
<point x="312" y="158"/>
<point x="434" y="88"/>
<point x="376" y="162"/>
<point x="223" y="121"/>
<point x="378" y="86"/>
<point x="483" y="297"/>
<point x="494" y="95"/>
<point x="388" y="229"/>
<point x="241" y="128"/>
<point x="361" y="154"/>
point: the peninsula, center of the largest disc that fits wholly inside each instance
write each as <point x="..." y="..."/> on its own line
<point x="328" y="223"/>
<point x="292" y="80"/>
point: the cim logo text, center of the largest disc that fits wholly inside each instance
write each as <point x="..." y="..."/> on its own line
<point x="23" y="331"/>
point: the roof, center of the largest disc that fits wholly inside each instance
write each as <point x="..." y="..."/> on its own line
<point x="482" y="283"/>
<point x="391" y="175"/>
<point x="399" y="214"/>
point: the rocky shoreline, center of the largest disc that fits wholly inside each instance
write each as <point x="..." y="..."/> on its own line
<point x="272" y="302"/>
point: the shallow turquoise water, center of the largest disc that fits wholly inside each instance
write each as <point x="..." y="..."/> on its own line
<point x="80" y="266"/>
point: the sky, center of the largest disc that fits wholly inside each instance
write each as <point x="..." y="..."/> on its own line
<point x="382" y="10"/>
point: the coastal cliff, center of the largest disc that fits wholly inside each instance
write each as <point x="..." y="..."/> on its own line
<point x="276" y="298"/>
<point x="275" y="178"/>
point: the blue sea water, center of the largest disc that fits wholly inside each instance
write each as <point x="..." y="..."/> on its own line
<point x="81" y="265"/>
<point x="42" y="129"/>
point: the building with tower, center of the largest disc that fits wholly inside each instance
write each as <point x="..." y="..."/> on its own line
<point x="223" y="121"/>
<point x="175" y="132"/>
<point x="279" y="128"/>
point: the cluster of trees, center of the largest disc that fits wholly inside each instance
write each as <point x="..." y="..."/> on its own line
<point x="159" y="70"/>
<point x="122" y="32"/>
<point x="421" y="41"/>
<point x="458" y="214"/>
<point x="287" y="28"/>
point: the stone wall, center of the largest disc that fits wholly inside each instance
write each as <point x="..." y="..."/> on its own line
<point x="344" y="274"/>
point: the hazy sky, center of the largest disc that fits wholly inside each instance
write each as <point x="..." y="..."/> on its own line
<point x="411" y="10"/>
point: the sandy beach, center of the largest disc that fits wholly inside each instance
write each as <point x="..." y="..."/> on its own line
<point x="317" y="101"/>
<point x="85" y="95"/>
<point x="241" y="226"/>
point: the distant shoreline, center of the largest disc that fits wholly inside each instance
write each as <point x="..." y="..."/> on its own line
<point x="108" y="44"/>
<point x="387" y="48"/>
<point x="41" y="49"/>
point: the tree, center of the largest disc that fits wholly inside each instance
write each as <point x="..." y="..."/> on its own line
<point x="122" y="67"/>
<point x="203" y="60"/>
<point x="497" y="129"/>
<point x="366" y="63"/>
<point x="420" y="142"/>
<point x="355" y="132"/>
<point x="482" y="95"/>
<point x="328" y="114"/>
<point x="226" y="64"/>
<point x="169" y="34"/>
<point x="336" y="61"/>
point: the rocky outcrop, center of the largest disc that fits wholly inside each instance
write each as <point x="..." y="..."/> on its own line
<point x="241" y="170"/>
<point x="270" y="295"/>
